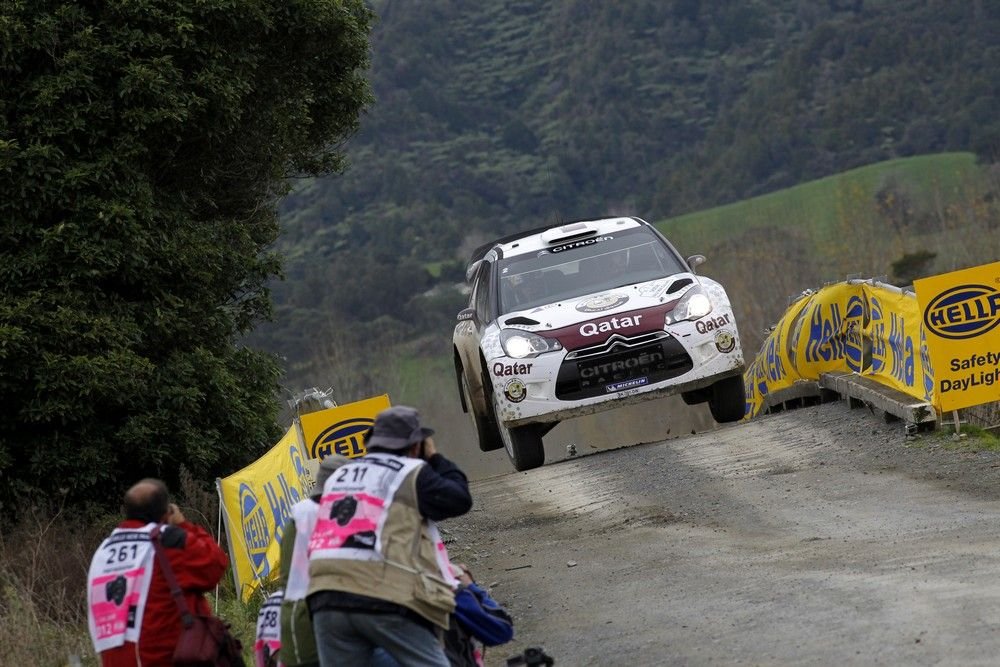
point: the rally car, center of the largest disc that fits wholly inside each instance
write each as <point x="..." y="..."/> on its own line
<point x="586" y="316"/>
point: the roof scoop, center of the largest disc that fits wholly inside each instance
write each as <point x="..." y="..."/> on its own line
<point x="574" y="230"/>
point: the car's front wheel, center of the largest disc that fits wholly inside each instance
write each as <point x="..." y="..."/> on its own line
<point x="524" y="446"/>
<point x="523" y="443"/>
<point x="728" y="400"/>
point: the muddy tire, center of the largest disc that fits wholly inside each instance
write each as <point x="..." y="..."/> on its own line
<point x="523" y="445"/>
<point x="728" y="401"/>
<point x="486" y="430"/>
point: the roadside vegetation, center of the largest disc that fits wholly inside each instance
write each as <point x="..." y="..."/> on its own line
<point x="144" y="219"/>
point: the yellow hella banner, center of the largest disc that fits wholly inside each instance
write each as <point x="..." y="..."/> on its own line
<point x="858" y="326"/>
<point x="339" y="430"/>
<point x="961" y="314"/>
<point x="257" y="500"/>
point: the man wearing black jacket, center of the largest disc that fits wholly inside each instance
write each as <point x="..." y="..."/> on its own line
<point x="377" y="568"/>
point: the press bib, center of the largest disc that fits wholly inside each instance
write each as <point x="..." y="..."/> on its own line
<point x="268" y="629"/>
<point x="354" y="506"/>
<point x="304" y="514"/>
<point x="118" y="585"/>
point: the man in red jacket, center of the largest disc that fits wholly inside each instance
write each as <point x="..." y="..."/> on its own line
<point x="134" y="621"/>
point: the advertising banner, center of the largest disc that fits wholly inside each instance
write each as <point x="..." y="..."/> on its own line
<point x="864" y="327"/>
<point x="774" y="369"/>
<point x="961" y="313"/>
<point x="339" y="430"/>
<point x="895" y="334"/>
<point x="257" y="500"/>
<point x="256" y="503"/>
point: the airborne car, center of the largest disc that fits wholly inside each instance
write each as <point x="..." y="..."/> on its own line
<point x="586" y="316"/>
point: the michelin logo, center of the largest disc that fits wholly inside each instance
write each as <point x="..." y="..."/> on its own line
<point x="627" y="384"/>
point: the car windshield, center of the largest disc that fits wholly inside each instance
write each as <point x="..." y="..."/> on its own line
<point x="588" y="266"/>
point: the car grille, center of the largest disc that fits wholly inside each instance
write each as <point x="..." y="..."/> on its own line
<point x="621" y="363"/>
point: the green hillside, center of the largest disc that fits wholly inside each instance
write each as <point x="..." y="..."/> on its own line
<point x="817" y="209"/>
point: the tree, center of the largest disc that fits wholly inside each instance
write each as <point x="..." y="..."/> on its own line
<point x="143" y="148"/>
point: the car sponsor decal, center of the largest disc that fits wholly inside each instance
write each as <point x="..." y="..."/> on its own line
<point x="514" y="390"/>
<point x="613" y="324"/>
<point x="724" y="341"/>
<point x="597" y="331"/>
<point x="653" y="289"/>
<point x="602" y="302"/>
<point x="707" y="324"/>
<point x="602" y="367"/>
<point x="501" y="369"/>
<point x="627" y="384"/>
<point x="580" y="244"/>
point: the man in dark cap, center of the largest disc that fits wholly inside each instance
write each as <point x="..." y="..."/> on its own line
<point x="378" y="571"/>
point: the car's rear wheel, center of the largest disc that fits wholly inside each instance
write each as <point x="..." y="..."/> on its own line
<point x="489" y="438"/>
<point x="728" y="400"/>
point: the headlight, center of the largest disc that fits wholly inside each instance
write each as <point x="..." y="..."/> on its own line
<point x="520" y="344"/>
<point x="693" y="305"/>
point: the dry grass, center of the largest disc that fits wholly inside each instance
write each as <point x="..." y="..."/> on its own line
<point x="45" y="557"/>
<point x="42" y="586"/>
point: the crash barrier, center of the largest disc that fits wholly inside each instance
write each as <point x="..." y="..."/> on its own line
<point x="860" y="338"/>
<point x="256" y="501"/>
<point x="914" y="354"/>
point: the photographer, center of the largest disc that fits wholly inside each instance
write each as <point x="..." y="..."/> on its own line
<point x="133" y="616"/>
<point x="377" y="565"/>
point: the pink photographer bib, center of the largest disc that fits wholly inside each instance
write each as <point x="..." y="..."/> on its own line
<point x="354" y="506"/>
<point x="118" y="585"/>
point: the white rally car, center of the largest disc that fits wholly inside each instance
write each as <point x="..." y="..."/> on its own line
<point x="587" y="316"/>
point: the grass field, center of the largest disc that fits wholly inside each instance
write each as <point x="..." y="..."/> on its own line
<point x="819" y="210"/>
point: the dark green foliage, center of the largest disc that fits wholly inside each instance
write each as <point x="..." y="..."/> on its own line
<point x="911" y="266"/>
<point x="143" y="146"/>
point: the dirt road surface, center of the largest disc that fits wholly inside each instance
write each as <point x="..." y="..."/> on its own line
<point x="820" y="536"/>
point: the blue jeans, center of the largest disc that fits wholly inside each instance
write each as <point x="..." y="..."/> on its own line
<point x="350" y="638"/>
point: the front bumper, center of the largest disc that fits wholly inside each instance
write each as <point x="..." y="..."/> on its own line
<point x="621" y="371"/>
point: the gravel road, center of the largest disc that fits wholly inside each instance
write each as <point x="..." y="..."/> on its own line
<point x="820" y="536"/>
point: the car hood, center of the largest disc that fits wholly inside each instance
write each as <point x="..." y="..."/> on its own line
<point x="630" y="310"/>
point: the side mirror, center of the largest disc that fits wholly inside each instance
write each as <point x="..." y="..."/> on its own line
<point x="466" y="315"/>
<point x="694" y="261"/>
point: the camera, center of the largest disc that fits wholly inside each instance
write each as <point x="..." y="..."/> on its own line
<point x="531" y="656"/>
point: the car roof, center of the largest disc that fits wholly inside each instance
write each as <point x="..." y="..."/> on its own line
<point x="551" y="235"/>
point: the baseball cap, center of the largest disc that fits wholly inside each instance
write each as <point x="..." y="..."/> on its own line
<point x="397" y="427"/>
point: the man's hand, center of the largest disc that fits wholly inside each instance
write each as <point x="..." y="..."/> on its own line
<point x="174" y="515"/>
<point x="465" y="577"/>
<point x="428" y="449"/>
